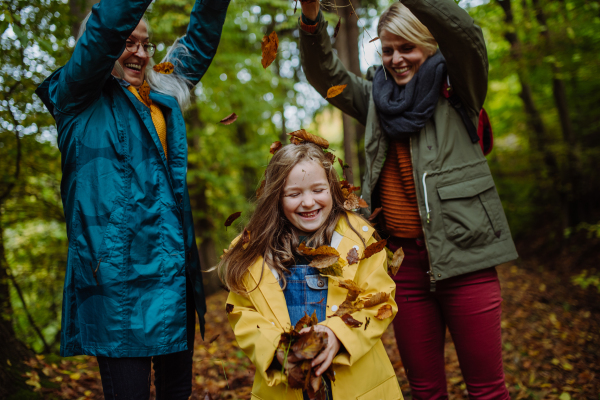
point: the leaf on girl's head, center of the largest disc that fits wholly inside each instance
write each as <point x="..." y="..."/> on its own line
<point x="367" y="322"/>
<point x="350" y="187"/>
<point x="308" y="137"/>
<point x="144" y="92"/>
<point x="337" y="29"/>
<point x="275" y="146"/>
<point x="261" y="189"/>
<point x="230" y="119"/>
<point x="269" y="46"/>
<point x="352" y="256"/>
<point x="228" y="308"/>
<point x="351" y="322"/>
<point x="330" y="157"/>
<point x="385" y="311"/>
<point x="374" y="248"/>
<point x="214" y="338"/>
<point x="295" y="140"/>
<point x="245" y="238"/>
<point x="309" y="344"/>
<point x="319" y="251"/>
<point x="164" y="68"/>
<point x="377" y="299"/>
<point x="374" y="39"/>
<point x="375" y="213"/>
<point x="394" y="265"/>
<point x="320" y="262"/>
<point x="232" y="218"/>
<point x="362" y="203"/>
<point x="335" y="91"/>
<point x="352" y="202"/>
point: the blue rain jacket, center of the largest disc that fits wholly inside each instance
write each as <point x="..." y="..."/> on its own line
<point x="129" y="222"/>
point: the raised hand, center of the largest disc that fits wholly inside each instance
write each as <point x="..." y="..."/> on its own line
<point x="310" y="8"/>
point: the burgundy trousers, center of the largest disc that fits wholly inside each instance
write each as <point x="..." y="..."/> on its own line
<point x="469" y="305"/>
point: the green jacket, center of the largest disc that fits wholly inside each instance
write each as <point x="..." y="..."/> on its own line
<point x="464" y="225"/>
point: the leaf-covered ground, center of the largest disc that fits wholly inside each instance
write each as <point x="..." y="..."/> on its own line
<point x="551" y="339"/>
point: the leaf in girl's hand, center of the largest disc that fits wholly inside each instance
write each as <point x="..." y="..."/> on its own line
<point x="144" y="92"/>
<point x="374" y="248"/>
<point x="309" y="344"/>
<point x="385" y="311"/>
<point x="352" y="256"/>
<point x="367" y="322"/>
<point x="351" y="322"/>
<point x="261" y="189"/>
<point x="375" y="213"/>
<point x="319" y="251"/>
<point x="337" y="29"/>
<point x="269" y="46"/>
<point x="320" y="262"/>
<point x="214" y="338"/>
<point x="275" y="146"/>
<point x="362" y="203"/>
<point x="245" y="238"/>
<point x="352" y="202"/>
<point x="374" y="39"/>
<point x="377" y="299"/>
<point x="228" y="308"/>
<point x="164" y="68"/>
<point x="335" y="91"/>
<point x="309" y="137"/>
<point x="394" y="265"/>
<point x="230" y="119"/>
<point x="232" y="218"/>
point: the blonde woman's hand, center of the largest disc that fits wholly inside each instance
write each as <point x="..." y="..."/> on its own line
<point x="326" y="355"/>
<point x="310" y="9"/>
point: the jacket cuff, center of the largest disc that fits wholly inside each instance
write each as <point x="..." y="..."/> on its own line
<point x="312" y="27"/>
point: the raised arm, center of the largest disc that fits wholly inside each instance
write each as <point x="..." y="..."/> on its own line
<point x="462" y="44"/>
<point x="323" y="69"/>
<point x="202" y="38"/>
<point x="80" y="81"/>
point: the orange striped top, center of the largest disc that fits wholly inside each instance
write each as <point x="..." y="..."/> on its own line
<point x="397" y="192"/>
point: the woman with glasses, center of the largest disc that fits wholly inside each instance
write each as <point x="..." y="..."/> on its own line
<point x="133" y="277"/>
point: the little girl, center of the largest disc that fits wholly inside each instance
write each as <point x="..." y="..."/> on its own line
<point x="272" y="286"/>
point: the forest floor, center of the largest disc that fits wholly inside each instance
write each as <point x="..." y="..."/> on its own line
<point x="550" y="331"/>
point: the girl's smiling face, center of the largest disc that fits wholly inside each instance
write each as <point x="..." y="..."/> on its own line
<point x="307" y="199"/>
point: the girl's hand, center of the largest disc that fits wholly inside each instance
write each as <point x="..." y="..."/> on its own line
<point x="291" y="359"/>
<point x="326" y="355"/>
<point x="310" y="8"/>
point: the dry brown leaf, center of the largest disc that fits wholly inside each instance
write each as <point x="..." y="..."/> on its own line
<point x="385" y="311"/>
<point x="352" y="256"/>
<point x="337" y="28"/>
<point x="269" y="46"/>
<point x="319" y="251"/>
<point x="351" y="322"/>
<point x="341" y="162"/>
<point x="232" y="218"/>
<point x="214" y="338"/>
<point x="353" y="289"/>
<point x="228" y="308"/>
<point x="261" y="189"/>
<point x="335" y="91"/>
<point x="245" y="238"/>
<point x="348" y="186"/>
<point x="275" y="146"/>
<point x="230" y="119"/>
<point x="374" y="39"/>
<point x="330" y="157"/>
<point x="320" y="262"/>
<point x="362" y="203"/>
<point x="367" y="322"/>
<point x="352" y="203"/>
<point x="375" y="213"/>
<point x="295" y="140"/>
<point x="309" y="137"/>
<point x="144" y="92"/>
<point x="394" y="265"/>
<point x="374" y="248"/>
<point x="164" y="68"/>
<point x="377" y="299"/>
<point x="309" y="344"/>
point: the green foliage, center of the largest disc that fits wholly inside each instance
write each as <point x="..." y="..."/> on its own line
<point x="587" y="278"/>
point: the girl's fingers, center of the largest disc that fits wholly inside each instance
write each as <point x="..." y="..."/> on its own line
<point x="321" y="357"/>
<point x="325" y="364"/>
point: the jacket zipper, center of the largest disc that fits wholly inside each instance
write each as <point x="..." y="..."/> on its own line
<point x="432" y="280"/>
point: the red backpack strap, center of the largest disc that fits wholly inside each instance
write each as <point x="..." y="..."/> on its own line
<point x="485" y="132"/>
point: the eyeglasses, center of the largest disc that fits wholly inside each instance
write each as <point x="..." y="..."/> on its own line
<point x="134" y="47"/>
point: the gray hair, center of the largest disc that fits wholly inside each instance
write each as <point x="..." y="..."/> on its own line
<point x="174" y="85"/>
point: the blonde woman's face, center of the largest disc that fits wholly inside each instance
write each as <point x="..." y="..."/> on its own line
<point x="401" y="58"/>
<point x="307" y="200"/>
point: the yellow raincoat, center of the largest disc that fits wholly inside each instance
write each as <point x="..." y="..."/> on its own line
<point x="362" y="368"/>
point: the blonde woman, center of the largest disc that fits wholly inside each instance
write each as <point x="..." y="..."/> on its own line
<point x="438" y="199"/>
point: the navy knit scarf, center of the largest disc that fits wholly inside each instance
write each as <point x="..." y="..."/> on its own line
<point x="405" y="109"/>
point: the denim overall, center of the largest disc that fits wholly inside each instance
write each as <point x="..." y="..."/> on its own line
<point x="306" y="292"/>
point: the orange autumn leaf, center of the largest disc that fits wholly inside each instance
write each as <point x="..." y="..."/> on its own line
<point x="269" y="46"/>
<point x="144" y="92"/>
<point x="164" y="68"/>
<point x="377" y="299"/>
<point x="319" y="251"/>
<point x="351" y="322"/>
<point x="385" y="311"/>
<point x="309" y="344"/>
<point x="352" y="202"/>
<point x="330" y="157"/>
<point x="320" y="262"/>
<point x="230" y="119"/>
<point x="337" y="28"/>
<point x="374" y="248"/>
<point x="397" y="258"/>
<point x="275" y="146"/>
<point x="362" y="203"/>
<point x="352" y="287"/>
<point x="375" y="213"/>
<point x="335" y="91"/>
<point x="350" y="187"/>
<point x="232" y="218"/>
<point x="352" y="256"/>
<point x="309" y="137"/>
<point x="295" y="140"/>
<point x="374" y="39"/>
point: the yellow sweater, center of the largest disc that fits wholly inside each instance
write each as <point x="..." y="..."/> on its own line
<point x="158" y="118"/>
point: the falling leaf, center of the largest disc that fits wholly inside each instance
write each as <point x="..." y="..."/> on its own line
<point x="309" y="137"/>
<point x="335" y="91"/>
<point x="144" y="92"/>
<point x="261" y="189"/>
<point x="352" y="256"/>
<point x="320" y="262"/>
<point x="214" y="338"/>
<point x="245" y="238"/>
<point x="296" y="7"/>
<point x="228" y="308"/>
<point x="336" y="31"/>
<point x="374" y="248"/>
<point x="164" y="68"/>
<point x="351" y="322"/>
<point x="319" y="251"/>
<point x="352" y="203"/>
<point x="275" y="146"/>
<point x="330" y="157"/>
<point x="375" y="213"/>
<point x="269" y="46"/>
<point x="367" y="322"/>
<point x="385" y="311"/>
<point x="362" y="203"/>
<point x="232" y="218"/>
<point x="394" y="265"/>
<point x="374" y="39"/>
<point x="230" y="119"/>
<point x="377" y="299"/>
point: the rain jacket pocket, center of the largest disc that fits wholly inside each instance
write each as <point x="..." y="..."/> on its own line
<point x="387" y="390"/>
<point x="471" y="212"/>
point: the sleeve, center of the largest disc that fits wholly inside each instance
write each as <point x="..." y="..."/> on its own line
<point x="256" y="336"/>
<point x="372" y="276"/>
<point x="202" y="38"/>
<point x="323" y="69"/>
<point x="462" y="44"/>
<point x="80" y="81"/>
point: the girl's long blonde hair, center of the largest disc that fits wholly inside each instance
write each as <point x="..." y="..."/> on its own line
<point x="271" y="234"/>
